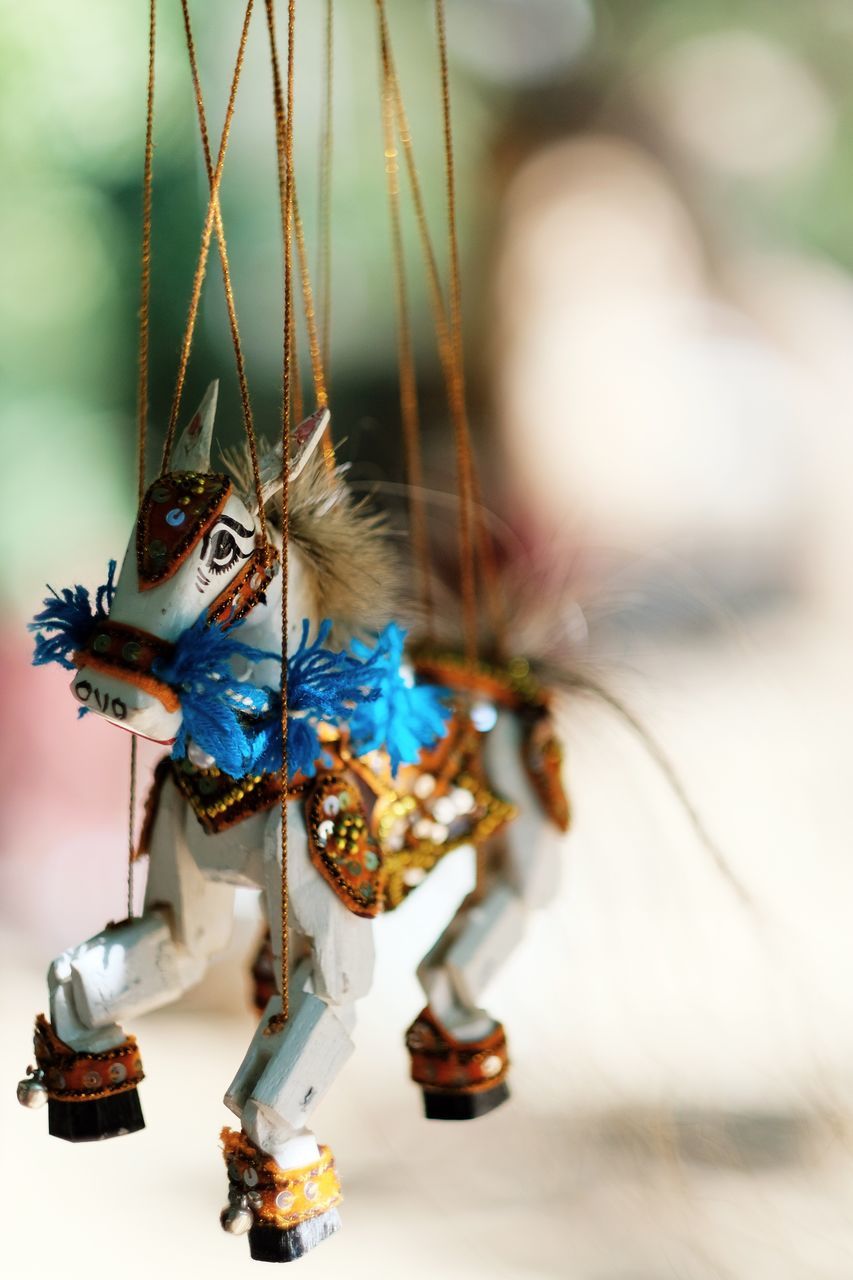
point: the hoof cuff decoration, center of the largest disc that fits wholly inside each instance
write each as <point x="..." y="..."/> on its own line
<point x="285" y="1211"/>
<point x="460" y="1079"/>
<point x="89" y="1095"/>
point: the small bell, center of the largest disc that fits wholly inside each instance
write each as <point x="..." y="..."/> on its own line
<point x="32" y="1092"/>
<point x="236" y="1219"/>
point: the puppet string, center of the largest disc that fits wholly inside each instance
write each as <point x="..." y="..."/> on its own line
<point x="284" y="148"/>
<point x="207" y="231"/>
<point x="248" y="416"/>
<point x="324" y="274"/>
<point x="450" y="351"/>
<point x="142" y="381"/>
<point x="409" y="410"/>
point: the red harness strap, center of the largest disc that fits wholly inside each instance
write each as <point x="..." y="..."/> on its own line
<point x="130" y="653"/>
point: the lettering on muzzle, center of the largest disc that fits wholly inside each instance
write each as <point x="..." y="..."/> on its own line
<point x="106" y="705"/>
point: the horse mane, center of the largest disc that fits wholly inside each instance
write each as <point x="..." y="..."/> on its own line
<point x="345" y="543"/>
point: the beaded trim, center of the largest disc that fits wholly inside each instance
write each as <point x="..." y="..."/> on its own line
<point x="341" y="845"/>
<point x="433" y="809"/>
<point x="247" y="589"/>
<point x="220" y="801"/>
<point x="280" y="1198"/>
<point x="84" y="1077"/>
<point x="513" y="686"/>
<point x="130" y="653"/>
<point x="176" y="512"/>
<point x="443" y="1064"/>
<point x="394" y="830"/>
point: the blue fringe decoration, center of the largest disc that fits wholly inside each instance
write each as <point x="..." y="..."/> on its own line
<point x="238" y="723"/>
<point x="403" y="717"/>
<point x="365" y="690"/>
<point x="323" y="687"/>
<point x="66" y="622"/>
<point x="215" y="707"/>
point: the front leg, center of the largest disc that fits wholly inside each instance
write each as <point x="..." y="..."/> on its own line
<point x="87" y="1067"/>
<point x="283" y="1186"/>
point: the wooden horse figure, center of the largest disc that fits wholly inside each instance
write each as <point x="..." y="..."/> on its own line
<point x="374" y="805"/>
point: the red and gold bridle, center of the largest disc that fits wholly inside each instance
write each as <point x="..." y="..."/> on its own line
<point x="178" y="510"/>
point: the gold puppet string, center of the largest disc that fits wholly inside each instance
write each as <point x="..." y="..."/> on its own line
<point x="142" y="383"/>
<point x="207" y="231"/>
<point x="409" y="409"/>
<point x="145" y="262"/>
<point x="284" y="149"/>
<point x="248" y="417"/>
<point x="458" y="398"/>
<point x="293" y="219"/>
<point x="201" y="267"/>
<point x="486" y="547"/>
<point x="450" y="354"/>
<point x="324" y="273"/>
<point x="454" y="381"/>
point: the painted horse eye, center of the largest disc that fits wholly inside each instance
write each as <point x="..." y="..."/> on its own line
<point x="224" y="552"/>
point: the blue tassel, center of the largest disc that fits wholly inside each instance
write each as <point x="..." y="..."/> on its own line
<point x="66" y="622"/>
<point x="323" y="687"/>
<point x="403" y="717"/>
<point x="239" y="724"/>
<point x="215" y="707"/>
<point x="366" y="690"/>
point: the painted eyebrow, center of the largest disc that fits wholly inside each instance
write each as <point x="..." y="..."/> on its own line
<point x="235" y="524"/>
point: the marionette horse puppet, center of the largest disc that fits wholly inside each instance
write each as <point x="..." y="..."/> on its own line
<point x="392" y="764"/>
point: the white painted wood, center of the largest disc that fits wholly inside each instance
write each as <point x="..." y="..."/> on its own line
<point x="534" y="848"/>
<point x="342" y="943"/>
<point x="305" y="1058"/>
<point x="201" y="909"/>
<point x="492" y="930"/>
<point x="283" y="1077"/>
<point x="67" y="1024"/>
<point x="459" y="967"/>
<point x="261" y="1047"/>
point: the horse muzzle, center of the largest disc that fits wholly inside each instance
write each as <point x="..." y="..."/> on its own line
<point x="128" y="654"/>
<point x="116" y="680"/>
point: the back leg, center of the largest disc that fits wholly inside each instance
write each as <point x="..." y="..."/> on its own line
<point x="459" y="1054"/>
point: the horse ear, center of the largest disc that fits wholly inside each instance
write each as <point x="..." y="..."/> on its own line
<point x="192" y="452"/>
<point x="305" y="438"/>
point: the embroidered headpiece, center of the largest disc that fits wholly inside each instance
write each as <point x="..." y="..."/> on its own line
<point x="177" y="511"/>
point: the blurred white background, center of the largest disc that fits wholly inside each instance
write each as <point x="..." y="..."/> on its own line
<point x="657" y="224"/>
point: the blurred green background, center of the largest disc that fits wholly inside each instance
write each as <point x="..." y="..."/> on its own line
<point x="71" y="133"/>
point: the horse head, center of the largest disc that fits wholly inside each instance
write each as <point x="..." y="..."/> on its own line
<point x="196" y="557"/>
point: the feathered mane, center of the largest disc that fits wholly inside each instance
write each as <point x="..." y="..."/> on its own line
<point x="345" y="543"/>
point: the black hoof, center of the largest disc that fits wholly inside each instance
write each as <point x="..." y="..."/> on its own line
<point x="268" y="1244"/>
<point x="440" y="1105"/>
<point x="95" y="1118"/>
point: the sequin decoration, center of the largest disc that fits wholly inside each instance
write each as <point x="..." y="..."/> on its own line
<point x="443" y="1064"/>
<point x="70" y="1076"/>
<point x="220" y="801"/>
<point x="342" y="847"/>
<point x="279" y="1198"/>
<point x="432" y="809"/>
<point x="163" y="540"/>
<point x="515" y="688"/>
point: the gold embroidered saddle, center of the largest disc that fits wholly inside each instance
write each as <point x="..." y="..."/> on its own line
<point x="374" y="836"/>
